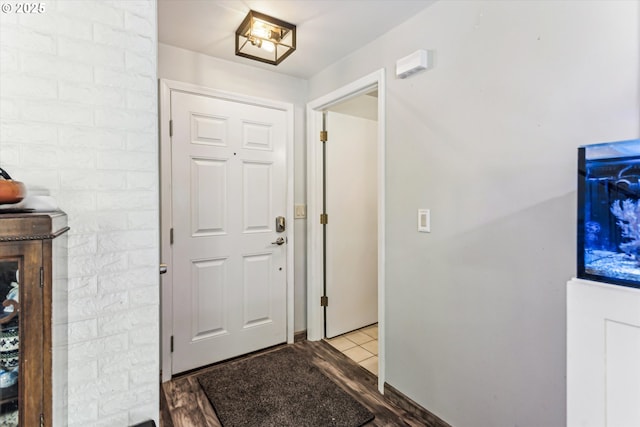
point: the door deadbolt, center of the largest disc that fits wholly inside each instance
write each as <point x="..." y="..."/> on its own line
<point x="280" y="224"/>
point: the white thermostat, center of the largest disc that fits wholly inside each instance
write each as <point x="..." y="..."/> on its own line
<point x="424" y="220"/>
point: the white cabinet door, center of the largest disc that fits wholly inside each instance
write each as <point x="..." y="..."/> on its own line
<point x="603" y="355"/>
<point x="229" y="185"/>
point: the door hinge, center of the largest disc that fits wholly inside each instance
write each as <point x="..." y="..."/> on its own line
<point x="324" y="135"/>
<point x="324" y="301"/>
<point x="41" y="420"/>
<point x="170" y="127"/>
<point x="42" y="277"/>
<point x="171" y="343"/>
<point x="171" y="236"/>
<point x="324" y="219"/>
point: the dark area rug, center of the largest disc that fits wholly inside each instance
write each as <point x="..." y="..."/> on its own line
<point x="280" y="388"/>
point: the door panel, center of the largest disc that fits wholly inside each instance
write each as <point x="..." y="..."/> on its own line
<point x="257" y="304"/>
<point x="257" y="136"/>
<point x="209" y="130"/>
<point x="209" y="198"/>
<point x="229" y="184"/>
<point x="351" y="233"/>
<point x="257" y="208"/>
<point x="208" y="300"/>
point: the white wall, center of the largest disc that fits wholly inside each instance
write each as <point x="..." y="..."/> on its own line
<point x="78" y="117"/>
<point x="191" y="67"/>
<point x="487" y="140"/>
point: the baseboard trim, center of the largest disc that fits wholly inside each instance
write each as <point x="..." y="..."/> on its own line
<point x="412" y="407"/>
<point x="300" y="336"/>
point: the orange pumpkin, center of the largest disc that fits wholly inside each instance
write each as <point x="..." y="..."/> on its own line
<point x="10" y="191"/>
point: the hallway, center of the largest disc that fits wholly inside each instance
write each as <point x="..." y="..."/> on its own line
<point x="361" y="346"/>
<point x="184" y="404"/>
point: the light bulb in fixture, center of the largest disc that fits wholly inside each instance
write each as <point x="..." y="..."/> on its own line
<point x="260" y="30"/>
<point x="268" y="46"/>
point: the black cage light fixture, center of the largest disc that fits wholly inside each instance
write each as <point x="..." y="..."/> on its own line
<point x="265" y="39"/>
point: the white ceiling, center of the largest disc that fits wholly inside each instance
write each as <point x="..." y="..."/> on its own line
<point x="327" y="30"/>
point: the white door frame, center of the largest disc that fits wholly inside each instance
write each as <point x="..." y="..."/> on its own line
<point x="315" y="317"/>
<point x="166" y="282"/>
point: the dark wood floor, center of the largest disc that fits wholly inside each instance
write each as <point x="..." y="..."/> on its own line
<point x="184" y="404"/>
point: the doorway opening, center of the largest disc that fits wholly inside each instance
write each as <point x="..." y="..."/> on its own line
<point x="350" y="234"/>
<point x="325" y="111"/>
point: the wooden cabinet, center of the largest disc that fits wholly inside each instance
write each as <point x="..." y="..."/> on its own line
<point x="32" y="265"/>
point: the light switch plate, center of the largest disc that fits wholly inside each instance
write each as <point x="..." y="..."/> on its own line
<point x="424" y="220"/>
<point x="300" y="211"/>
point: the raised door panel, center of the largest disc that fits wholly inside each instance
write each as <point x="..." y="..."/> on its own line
<point x="209" y="205"/>
<point x="209" y="130"/>
<point x="208" y="282"/>
<point x="257" y="290"/>
<point x="257" y="136"/>
<point x="257" y="197"/>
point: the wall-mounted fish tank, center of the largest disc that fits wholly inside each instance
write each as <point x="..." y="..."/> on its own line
<point x="609" y="212"/>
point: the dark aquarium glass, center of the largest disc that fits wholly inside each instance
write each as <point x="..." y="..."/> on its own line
<point x="609" y="212"/>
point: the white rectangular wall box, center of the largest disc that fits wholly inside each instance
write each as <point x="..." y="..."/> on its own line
<point x="424" y="220"/>
<point x="411" y="64"/>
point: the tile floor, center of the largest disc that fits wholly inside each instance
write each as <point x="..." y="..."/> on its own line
<point x="360" y="346"/>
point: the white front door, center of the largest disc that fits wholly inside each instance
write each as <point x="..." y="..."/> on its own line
<point x="228" y="186"/>
<point x="351" y="233"/>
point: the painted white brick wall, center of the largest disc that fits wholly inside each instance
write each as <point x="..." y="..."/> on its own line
<point x="78" y="117"/>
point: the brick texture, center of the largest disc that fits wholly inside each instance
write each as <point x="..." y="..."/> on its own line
<point x="78" y="117"/>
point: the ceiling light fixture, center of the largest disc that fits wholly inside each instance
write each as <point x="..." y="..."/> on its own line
<point x="265" y="39"/>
